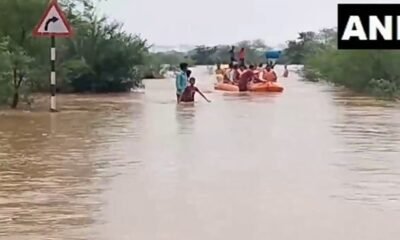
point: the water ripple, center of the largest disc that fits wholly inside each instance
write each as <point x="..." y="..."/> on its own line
<point x="370" y="135"/>
<point x="140" y="167"/>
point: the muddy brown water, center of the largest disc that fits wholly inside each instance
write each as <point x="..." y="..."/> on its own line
<point x="311" y="163"/>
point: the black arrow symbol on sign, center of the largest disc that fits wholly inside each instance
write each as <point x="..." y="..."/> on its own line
<point x="50" y="20"/>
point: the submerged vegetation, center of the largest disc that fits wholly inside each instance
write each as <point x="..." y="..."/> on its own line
<point x="373" y="72"/>
<point x="102" y="57"/>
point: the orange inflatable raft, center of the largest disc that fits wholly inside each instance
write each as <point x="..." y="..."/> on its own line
<point x="226" y="87"/>
<point x="256" y="87"/>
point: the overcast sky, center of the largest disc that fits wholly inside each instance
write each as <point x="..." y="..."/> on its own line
<point x="174" y="22"/>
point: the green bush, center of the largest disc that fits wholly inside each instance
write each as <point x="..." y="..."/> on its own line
<point x="383" y="88"/>
<point x="374" y="72"/>
<point x="101" y="57"/>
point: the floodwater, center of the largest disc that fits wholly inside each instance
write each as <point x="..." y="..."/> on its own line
<point x="311" y="163"/>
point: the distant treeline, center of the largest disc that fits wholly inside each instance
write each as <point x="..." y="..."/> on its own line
<point x="374" y="72"/>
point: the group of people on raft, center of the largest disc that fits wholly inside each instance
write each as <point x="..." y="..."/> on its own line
<point x="237" y="74"/>
<point x="242" y="76"/>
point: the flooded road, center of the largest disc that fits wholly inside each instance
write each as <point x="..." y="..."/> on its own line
<point x="310" y="163"/>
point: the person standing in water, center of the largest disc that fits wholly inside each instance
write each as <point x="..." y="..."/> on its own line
<point x="190" y="91"/>
<point x="286" y="72"/>
<point x="242" y="57"/>
<point x="232" y="55"/>
<point x="181" y="80"/>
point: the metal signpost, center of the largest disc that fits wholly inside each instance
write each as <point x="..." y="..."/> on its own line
<point x="53" y="24"/>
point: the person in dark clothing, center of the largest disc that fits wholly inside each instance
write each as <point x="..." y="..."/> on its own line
<point x="286" y="72"/>
<point x="232" y="55"/>
<point x="242" y="57"/>
<point x="188" y="94"/>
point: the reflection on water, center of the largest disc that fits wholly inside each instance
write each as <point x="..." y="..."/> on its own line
<point x="185" y="117"/>
<point x="311" y="163"/>
<point x="53" y="167"/>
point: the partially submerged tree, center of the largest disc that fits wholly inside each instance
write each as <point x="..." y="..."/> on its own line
<point x="105" y="57"/>
<point x="101" y="57"/>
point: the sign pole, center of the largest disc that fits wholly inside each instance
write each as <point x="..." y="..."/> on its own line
<point x="53" y="23"/>
<point x="53" y="75"/>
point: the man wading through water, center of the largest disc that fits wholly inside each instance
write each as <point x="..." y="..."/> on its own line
<point x="181" y="81"/>
<point x="188" y="95"/>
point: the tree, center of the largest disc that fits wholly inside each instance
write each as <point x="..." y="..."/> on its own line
<point x="18" y="46"/>
<point x="307" y="36"/>
<point x="259" y="45"/>
<point x="105" y="56"/>
<point x="306" y="44"/>
<point x="204" y="55"/>
<point x="371" y="71"/>
<point x="15" y="69"/>
<point x="100" y="58"/>
<point x="22" y="15"/>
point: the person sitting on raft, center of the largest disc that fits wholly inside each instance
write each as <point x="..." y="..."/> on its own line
<point x="188" y="94"/>
<point x="259" y="75"/>
<point x="269" y="74"/>
<point x="219" y="73"/>
<point x="235" y="74"/>
<point x="242" y="69"/>
<point x="245" y="78"/>
<point x="231" y="74"/>
<point x="219" y="70"/>
<point x="227" y="73"/>
<point x="222" y="74"/>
